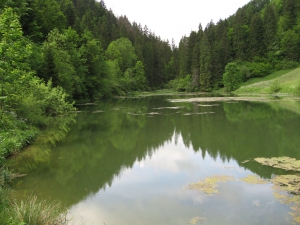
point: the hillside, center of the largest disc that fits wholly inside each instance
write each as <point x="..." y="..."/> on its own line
<point x="287" y="83"/>
<point x="260" y="38"/>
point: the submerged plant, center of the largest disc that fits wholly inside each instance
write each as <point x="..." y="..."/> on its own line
<point x="208" y="185"/>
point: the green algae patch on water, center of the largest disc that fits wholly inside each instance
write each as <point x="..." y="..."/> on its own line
<point x="286" y="187"/>
<point x="287" y="190"/>
<point x="285" y="163"/>
<point x="253" y="179"/>
<point x="195" y="220"/>
<point x="289" y="184"/>
<point x="209" y="184"/>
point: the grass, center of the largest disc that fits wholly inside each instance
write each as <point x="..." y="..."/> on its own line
<point x="280" y="82"/>
<point x="15" y="134"/>
<point x="36" y="212"/>
<point x="266" y="78"/>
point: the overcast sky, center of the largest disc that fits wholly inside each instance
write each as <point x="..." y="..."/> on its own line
<point x="173" y="18"/>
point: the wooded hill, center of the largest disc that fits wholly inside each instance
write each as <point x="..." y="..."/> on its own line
<point x="83" y="47"/>
<point x="261" y="37"/>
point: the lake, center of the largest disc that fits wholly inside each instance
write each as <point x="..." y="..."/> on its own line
<point x="131" y="161"/>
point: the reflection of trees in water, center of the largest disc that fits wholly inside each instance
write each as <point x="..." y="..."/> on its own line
<point x="100" y="145"/>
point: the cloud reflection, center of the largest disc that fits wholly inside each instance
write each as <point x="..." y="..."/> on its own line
<point x="154" y="191"/>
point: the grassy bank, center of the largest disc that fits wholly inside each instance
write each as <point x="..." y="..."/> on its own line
<point x="280" y="82"/>
<point x="15" y="134"/>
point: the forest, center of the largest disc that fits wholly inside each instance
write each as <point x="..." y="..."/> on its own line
<point x="54" y="53"/>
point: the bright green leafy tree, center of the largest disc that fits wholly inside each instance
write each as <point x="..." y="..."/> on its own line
<point x="232" y="77"/>
<point x="14" y="54"/>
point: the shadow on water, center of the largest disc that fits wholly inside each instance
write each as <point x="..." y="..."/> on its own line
<point x="81" y="158"/>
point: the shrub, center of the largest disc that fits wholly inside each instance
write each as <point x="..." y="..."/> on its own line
<point x="275" y="87"/>
<point x="232" y="77"/>
<point x="297" y="89"/>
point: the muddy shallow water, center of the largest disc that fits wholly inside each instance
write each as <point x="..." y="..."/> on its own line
<point x="133" y="161"/>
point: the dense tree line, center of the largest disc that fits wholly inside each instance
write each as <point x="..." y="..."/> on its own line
<point x="72" y="44"/>
<point x="53" y="52"/>
<point x="261" y="37"/>
<point x="82" y="46"/>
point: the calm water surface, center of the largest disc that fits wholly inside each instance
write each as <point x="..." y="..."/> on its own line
<point x="129" y="161"/>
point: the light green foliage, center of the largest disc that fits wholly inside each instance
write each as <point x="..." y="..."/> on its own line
<point x="139" y="75"/>
<point x="274" y="87"/>
<point x="114" y="74"/>
<point x="232" y="77"/>
<point x="124" y="66"/>
<point x="122" y="51"/>
<point x="96" y="81"/>
<point x="63" y="61"/>
<point x="260" y="67"/>
<point x="181" y="84"/>
<point x="27" y="99"/>
<point x="14" y="54"/>
<point x="284" y="81"/>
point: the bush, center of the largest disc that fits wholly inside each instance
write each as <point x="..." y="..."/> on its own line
<point x="181" y="84"/>
<point x="275" y="87"/>
<point x="257" y="69"/>
<point x="297" y="89"/>
<point x="232" y="77"/>
<point x="286" y="64"/>
<point x="41" y="101"/>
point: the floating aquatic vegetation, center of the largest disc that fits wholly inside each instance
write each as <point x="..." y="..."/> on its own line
<point x="253" y="179"/>
<point x="286" y="187"/>
<point x="208" y="105"/>
<point x="224" y="99"/>
<point x="194" y="220"/>
<point x="87" y="104"/>
<point x="153" y="113"/>
<point x="175" y="107"/>
<point x="285" y="163"/>
<point x="98" y="111"/>
<point x="134" y="114"/>
<point x="202" y="113"/>
<point x="208" y="185"/>
<point x="287" y="183"/>
<point x="287" y="190"/>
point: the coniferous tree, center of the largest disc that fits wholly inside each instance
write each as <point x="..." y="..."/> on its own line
<point x="257" y="35"/>
<point x="205" y="64"/>
<point x="270" y="24"/>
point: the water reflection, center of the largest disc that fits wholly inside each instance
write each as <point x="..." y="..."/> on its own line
<point x="128" y="161"/>
<point x="154" y="191"/>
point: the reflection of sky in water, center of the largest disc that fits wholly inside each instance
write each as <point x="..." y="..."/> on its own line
<point x="153" y="192"/>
